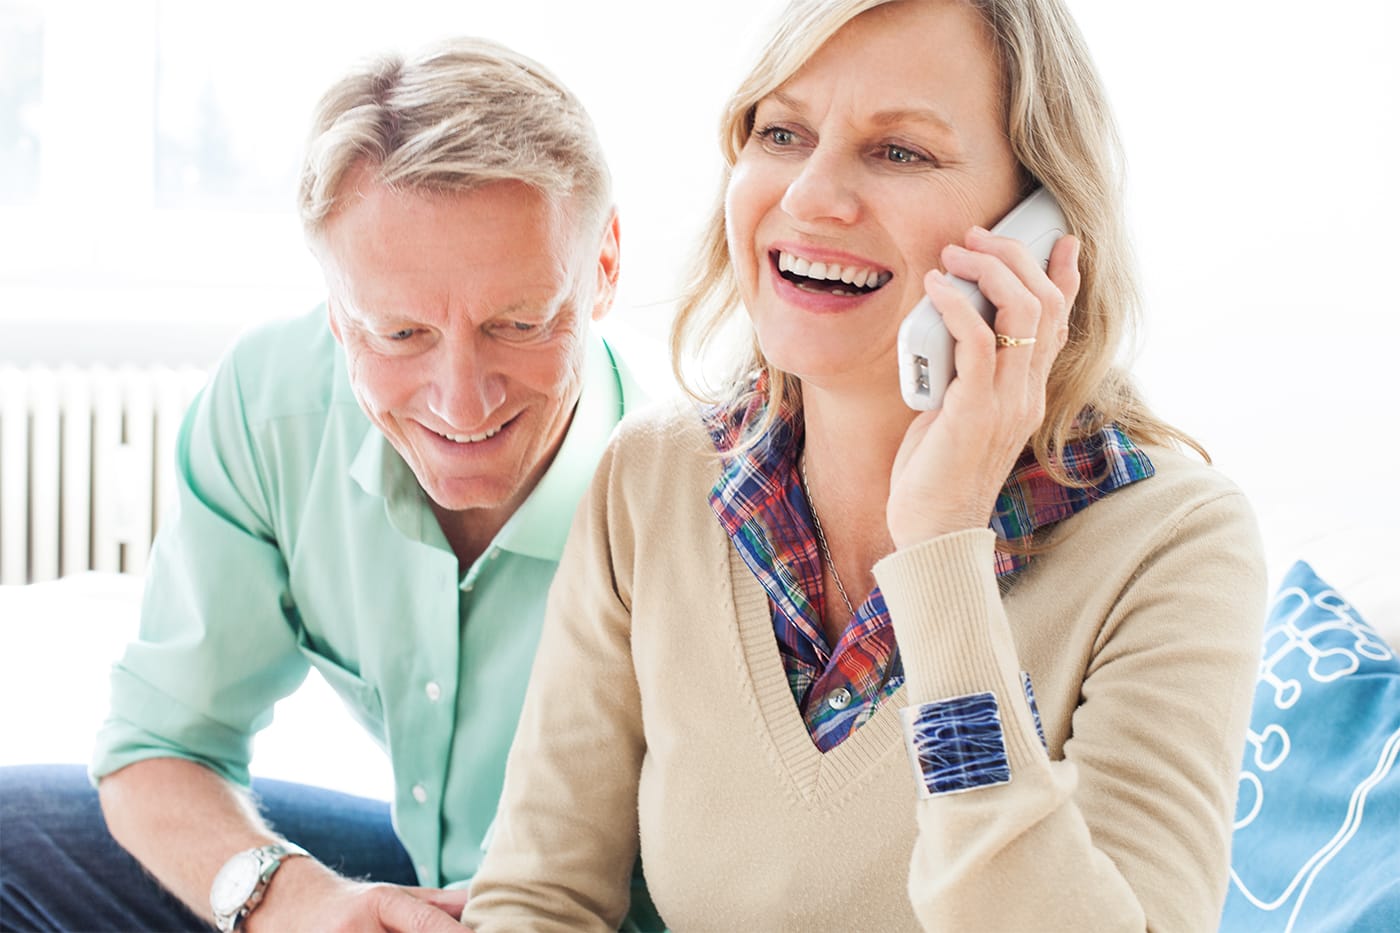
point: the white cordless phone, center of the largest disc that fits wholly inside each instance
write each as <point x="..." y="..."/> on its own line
<point x="925" y="347"/>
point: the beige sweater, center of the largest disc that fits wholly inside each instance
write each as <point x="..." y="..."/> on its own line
<point x="658" y="712"/>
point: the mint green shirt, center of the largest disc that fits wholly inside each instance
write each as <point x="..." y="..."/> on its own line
<point x="302" y="539"/>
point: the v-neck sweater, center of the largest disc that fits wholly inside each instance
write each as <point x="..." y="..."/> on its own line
<point x="658" y="714"/>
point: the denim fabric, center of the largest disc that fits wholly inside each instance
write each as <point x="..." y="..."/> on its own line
<point x="61" y="870"/>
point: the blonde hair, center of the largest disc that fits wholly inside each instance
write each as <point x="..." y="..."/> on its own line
<point x="1063" y="135"/>
<point x="457" y="116"/>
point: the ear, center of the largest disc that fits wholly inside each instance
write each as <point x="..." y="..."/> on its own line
<point x="609" y="263"/>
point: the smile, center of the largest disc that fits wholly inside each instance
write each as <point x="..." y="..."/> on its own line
<point x="469" y="438"/>
<point x="829" y="278"/>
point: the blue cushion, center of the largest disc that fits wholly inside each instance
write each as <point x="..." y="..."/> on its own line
<point x="1317" y="828"/>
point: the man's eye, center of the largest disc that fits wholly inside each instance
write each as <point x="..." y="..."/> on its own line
<point x="902" y="155"/>
<point x="401" y="335"/>
<point x="518" y="331"/>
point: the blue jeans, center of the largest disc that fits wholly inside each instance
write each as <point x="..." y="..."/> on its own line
<point x="61" y="870"/>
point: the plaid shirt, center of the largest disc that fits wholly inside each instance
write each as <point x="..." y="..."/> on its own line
<point x="760" y="503"/>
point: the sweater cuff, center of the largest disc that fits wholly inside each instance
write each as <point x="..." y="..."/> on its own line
<point x="940" y="595"/>
<point x="946" y="609"/>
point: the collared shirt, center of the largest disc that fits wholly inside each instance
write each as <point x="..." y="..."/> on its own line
<point x="760" y="502"/>
<point x="302" y="539"/>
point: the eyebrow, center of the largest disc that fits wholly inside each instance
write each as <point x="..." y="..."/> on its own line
<point x="926" y="115"/>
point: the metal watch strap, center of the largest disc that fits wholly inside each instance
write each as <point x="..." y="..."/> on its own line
<point x="269" y="858"/>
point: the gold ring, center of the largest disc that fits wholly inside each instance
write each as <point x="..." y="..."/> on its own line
<point x="1005" y="341"/>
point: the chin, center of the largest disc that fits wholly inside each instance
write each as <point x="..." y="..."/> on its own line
<point x="809" y="362"/>
<point x="466" y="503"/>
<point x="463" y="495"/>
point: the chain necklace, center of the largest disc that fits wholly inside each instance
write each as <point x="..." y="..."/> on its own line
<point x="821" y="537"/>
<point x="836" y="578"/>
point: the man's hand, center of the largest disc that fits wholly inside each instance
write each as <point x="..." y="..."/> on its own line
<point x="305" y="895"/>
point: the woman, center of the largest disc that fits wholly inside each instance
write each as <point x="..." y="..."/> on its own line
<point x="785" y="653"/>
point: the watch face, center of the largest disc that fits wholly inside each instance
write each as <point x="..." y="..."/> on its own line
<point x="234" y="882"/>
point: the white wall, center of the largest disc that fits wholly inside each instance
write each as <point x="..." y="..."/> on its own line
<point x="1261" y="141"/>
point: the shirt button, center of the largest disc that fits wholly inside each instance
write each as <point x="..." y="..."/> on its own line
<point x="495" y="553"/>
<point x="467" y="588"/>
<point x="420" y="793"/>
<point x="433" y="691"/>
<point x="840" y="698"/>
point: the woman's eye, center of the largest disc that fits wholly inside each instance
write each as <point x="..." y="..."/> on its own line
<point x="777" y="136"/>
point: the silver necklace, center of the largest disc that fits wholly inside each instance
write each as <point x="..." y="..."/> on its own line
<point x="821" y="537"/>
<point x="826" y="553"/>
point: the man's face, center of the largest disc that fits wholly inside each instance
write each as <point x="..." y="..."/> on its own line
<point x="463" y="316"/>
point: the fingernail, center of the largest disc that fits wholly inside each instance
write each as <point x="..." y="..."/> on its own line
<point x="981" y="231"/>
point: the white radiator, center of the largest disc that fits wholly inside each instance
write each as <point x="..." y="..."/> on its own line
<point x="86" y="463"/>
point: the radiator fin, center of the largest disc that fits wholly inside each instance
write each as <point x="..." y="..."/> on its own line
<point x="86" y="466"/>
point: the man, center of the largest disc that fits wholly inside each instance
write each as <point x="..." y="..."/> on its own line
<point x="385" y="499"/>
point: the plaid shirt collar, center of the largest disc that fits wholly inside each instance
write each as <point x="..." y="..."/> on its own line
<point x="1030" y="500"/>
<point x="760" y="503"/>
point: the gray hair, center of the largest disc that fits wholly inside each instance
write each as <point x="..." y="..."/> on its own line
<point x="458" y="116"/>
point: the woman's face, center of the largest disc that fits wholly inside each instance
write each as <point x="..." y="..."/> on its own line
<point x="887" y="145"/>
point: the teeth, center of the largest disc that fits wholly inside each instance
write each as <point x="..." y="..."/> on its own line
<point x="471" y="438"/>
<point x="858" y="276"/>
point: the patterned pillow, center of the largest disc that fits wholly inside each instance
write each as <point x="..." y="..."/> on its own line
<point x="1317" y="827"/>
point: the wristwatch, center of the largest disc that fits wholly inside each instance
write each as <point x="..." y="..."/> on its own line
<point x="241" y="883"/>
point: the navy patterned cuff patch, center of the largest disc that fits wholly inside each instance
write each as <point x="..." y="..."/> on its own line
<point x="956" y="744"/>
<point x="1035" y="710"/>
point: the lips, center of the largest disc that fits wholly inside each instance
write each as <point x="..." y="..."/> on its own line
<point x="828" y="278"/>
<point x="468" y="439"/>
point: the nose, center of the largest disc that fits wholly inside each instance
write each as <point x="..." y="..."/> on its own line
<point x="466" y="387"/>
<point x="823" y="190"/>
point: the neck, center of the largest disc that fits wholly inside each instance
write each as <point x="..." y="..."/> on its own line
<point x="852" y="441"/>
<point x="850" y="446"/>
<point x="471" y="531"/>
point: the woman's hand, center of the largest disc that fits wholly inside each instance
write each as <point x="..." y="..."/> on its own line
<point x="954" y="460"/>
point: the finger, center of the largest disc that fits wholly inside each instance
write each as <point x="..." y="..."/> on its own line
<point x="1018" y="310"/>
<point x="449" y="895"/>
<point x="1053" y="334"/>
<point x="450" y="901"/>
<point x="1055" y="286"/>
<point x="974" y="348"/>
<point x="1017" y="315"/>
<point x="1005" y="286"/>
<point x="1063" y="271"/>
<point x="416" y="914"/>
